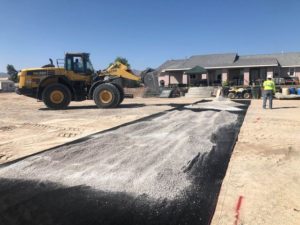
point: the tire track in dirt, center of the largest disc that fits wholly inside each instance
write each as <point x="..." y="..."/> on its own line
<point x="65" y="132"/>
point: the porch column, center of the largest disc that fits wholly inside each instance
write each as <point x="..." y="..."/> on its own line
<point x="166" y="78"/>
<point x="246" y="76"/>
<point x="224" y="75"/>
<point x="270" y="71"/>
<point x="184" y="78"/>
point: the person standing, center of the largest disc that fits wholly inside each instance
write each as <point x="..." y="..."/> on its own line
<point x="269" y="90"/>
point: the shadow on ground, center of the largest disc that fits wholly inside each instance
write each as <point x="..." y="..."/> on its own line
<point x="24" y="202"/>
<point x="126" y="106"/>
<point x="122" y="106"/>
<point x="286" y="107"/>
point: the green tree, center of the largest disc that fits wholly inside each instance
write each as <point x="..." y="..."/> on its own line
<point x="12" y="72"/>
<point x="122" y="60"/>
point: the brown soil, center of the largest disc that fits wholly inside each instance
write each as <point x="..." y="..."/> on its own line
<point x="264" y="169"/>
<point x="27" y="126"/>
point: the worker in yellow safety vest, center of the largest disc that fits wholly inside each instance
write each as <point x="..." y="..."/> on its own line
<point x="269" y="90"/>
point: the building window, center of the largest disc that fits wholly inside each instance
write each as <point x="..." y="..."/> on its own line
<point x="292" y="71"/>
<point x="193" y="76"/>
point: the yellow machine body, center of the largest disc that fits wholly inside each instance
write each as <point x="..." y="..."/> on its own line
<point x="31" y="77"/>
<point x="120" y="70"/>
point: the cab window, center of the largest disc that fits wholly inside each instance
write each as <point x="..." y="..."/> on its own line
<point x="69" y="64"/>
<point x="89" y="66"/>
<point x="78" y="64"/>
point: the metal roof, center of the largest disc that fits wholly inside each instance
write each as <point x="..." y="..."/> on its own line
<point x="206" y="61"/>
<point x="232" y="60"/>
<point x="214" y="60"/>
<point x="284" y="59"/>
<point x="171" y="64"/>
<point x="251" y="61"/>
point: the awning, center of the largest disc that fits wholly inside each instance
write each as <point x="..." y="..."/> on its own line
<point x="196" y="70"/>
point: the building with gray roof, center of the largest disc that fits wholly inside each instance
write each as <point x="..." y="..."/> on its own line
<point x="230" y="67"/>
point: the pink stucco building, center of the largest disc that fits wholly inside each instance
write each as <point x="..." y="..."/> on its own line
<point x="235" y="69"/>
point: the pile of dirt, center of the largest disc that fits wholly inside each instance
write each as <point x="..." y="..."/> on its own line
<point x="219" y="103"/>
<point x="172" y="165"/>
<point x="199" y="92"/>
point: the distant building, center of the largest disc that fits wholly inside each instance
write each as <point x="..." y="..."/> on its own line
<point x="7" y="86"/>
<point x="235" y="69"/>
<point x="3" y="75"/>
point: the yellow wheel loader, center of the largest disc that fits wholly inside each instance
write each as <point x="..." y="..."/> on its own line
<point x="76" y="80"/>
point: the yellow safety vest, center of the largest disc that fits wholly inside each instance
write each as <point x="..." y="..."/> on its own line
<point x="269" y="85"/>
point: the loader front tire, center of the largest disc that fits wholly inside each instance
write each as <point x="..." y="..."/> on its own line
<point x="56" y="96"/>
<point x="106" y="96"/>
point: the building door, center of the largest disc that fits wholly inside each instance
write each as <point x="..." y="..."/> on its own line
<point x="236" y="76"/>
<point x="254" y="75"/>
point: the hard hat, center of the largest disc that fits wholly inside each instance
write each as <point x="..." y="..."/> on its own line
<point x="269" y="76"/>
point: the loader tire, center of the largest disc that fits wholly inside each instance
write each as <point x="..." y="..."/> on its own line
<point x="56" y="96"/>
<point x="122" y="94"/>
<point x="106" y="96"/>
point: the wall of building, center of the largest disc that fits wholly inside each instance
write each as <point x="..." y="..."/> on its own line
<point x="285" y="71"/>
<point x="176" y="77"/>
<point x="297" y="72"/>
<point x="245" y="75"/>
<point x="163" y="77"/>
<point x="276" y="71"/>
<point x="172" y="77"/>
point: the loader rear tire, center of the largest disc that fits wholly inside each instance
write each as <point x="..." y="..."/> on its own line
<point x="106" y="96"/>
<point x="56" y="96"/>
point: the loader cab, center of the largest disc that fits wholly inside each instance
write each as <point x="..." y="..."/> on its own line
<point x="79" y="63"/>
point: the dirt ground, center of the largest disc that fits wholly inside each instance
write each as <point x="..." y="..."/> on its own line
<point x="262" y="183"/>
<point x="27" y="126"/>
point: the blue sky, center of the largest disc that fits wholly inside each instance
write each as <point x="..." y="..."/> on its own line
<point x="147" y="33"/>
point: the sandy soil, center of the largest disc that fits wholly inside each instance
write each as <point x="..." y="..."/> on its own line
<point x="262" y="184"/>
<point x="27" y="126"/>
